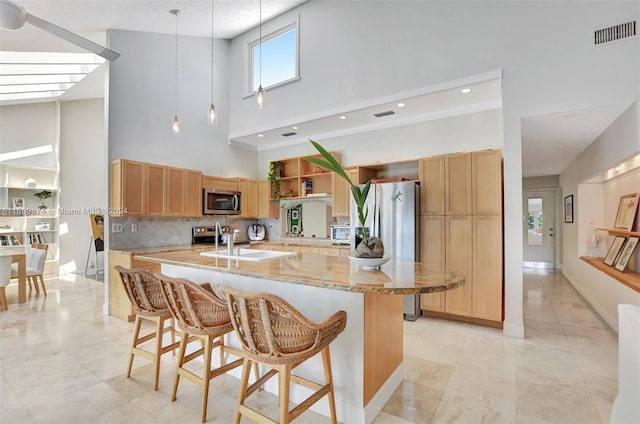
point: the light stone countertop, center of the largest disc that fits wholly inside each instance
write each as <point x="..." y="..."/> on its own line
<point x="332" y="272"/>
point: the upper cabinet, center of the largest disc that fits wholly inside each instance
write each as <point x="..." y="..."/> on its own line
<point x="209" y="181"/>
<point x="146" y="189"/>
<point x="342" y="192"/>
<point x="432" y="186"/>
<point x="458" y="184"/>
<point x="487" y="182"/>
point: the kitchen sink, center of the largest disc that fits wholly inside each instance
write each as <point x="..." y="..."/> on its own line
<point x="252" y="255"/>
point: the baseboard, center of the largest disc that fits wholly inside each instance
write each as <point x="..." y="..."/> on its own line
<point x="470" y="320"/>
<point x="513" y="330"/>
<point x="611" y="322"/>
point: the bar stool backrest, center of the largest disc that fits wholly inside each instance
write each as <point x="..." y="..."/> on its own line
<point x="144" y="292"/>
<point x="196" y="308"/>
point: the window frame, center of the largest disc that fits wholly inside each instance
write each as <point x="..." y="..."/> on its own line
<point x="248" y="55"/>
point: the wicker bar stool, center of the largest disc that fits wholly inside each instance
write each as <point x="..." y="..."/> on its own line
<point x="275" y="334"/>
<point x="144" y="292"/>
<point x="200" y="314"/>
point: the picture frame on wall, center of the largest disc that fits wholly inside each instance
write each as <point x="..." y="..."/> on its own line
<point x="627" y="208"/>
<point x="614" y="249"/>
<point x="18" y="203"/>
<point x="627" y="252"/>
<point x="568" y="209"/>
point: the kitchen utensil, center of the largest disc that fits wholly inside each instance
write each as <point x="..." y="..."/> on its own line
<point x="256" y="232"/>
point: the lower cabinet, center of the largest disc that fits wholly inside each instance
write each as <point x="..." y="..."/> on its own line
<point x="473" y="249"/>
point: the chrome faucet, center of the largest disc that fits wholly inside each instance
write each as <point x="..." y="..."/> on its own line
<point x="230" y="239"/>
<point x="218" y="232"/>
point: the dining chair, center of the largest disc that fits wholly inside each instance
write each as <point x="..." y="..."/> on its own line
<point x="36" y="259"/>
<point x="5" y="277"/>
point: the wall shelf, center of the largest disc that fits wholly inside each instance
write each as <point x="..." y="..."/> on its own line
<point x="618" y="232"/>
<point x="628" y="278"/>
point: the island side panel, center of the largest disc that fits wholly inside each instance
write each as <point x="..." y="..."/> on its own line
<point x="383" y="330"/>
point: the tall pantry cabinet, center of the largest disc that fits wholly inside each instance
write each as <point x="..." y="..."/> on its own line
<point x="461" y="232"/>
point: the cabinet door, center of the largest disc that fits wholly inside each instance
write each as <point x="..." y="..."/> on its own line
<point x="432" y="186"/>
<point x="132" y="187"/>
<point x="487" y="267"/>
<point x="459" y="260"/>
<point x="432" y="255"/>
<point x="193" y="190"/>
<point x="156" y="181"/>
<point x="243" y="188"/>
<point x="219" y="182"/>
<point x="341" y="196"/>
<point x="176" y="184"/>
<point x="252" y="199"/>
<point x="267" y="208"/>
<point x="458" y="184"/>
<point x="487" y="182"/>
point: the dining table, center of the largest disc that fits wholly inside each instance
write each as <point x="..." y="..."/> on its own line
<point x="18" y="255"/>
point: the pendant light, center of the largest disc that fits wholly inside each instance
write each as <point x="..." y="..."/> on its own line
<point x="260" y="92"/>
<point x="175" y="124"/>
<point x="212" y="116"/>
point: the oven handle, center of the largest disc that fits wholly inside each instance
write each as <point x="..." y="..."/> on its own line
<point x="235" y="202"/>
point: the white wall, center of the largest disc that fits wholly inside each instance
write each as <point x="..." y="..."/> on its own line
<point x="141" y="104"/>
<point x="27" y="126"/>
<point x="597" y="204"/>
<point x="82" y="180"/>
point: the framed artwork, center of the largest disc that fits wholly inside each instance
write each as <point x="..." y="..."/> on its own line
<point x="18" y="203"/>
<point x="97" y="231"/>
<point x="568" y="209"/>
<point x="614" y="249"/>
<point x="626" y="215"/>
<point x="627" y="251"/>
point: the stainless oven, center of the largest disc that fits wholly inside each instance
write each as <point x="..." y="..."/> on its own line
<point x="220" y="202"/>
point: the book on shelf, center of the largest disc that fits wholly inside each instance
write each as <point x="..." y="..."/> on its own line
<point x="9" y="240"/>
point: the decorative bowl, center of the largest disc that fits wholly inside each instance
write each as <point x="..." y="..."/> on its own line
<point x="369" y="264"/>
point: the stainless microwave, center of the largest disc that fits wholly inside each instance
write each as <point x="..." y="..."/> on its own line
<point x="340" y="234"/>
<point x="220" y="202"/>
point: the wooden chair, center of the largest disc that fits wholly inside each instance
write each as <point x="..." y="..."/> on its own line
<point x="5" y="277"/>
<point x="202" y="314"/>
<point x="144" y="292"/>
<point x="36" y="259"/>
<point x="275" y="334"/>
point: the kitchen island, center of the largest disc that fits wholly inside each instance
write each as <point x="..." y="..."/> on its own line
<point x="367" y="356"/>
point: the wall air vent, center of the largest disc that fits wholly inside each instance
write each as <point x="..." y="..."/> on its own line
<point x="613" y="33"/>
<point x="289" y="134"/>
<point x="381" y="114"/>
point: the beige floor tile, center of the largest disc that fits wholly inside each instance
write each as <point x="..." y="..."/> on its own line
<point x="414" y="402"/>
<point x="557" y="403"/>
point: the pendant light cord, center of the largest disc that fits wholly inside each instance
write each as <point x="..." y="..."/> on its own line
<point x="211" y="51"/>
<point x="260" y="43"/>
<point x="176" y="72"/>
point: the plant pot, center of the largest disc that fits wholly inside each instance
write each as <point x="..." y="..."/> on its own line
<point x="372" y="249"/>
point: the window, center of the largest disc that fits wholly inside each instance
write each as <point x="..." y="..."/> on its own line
<point x="279" y="58"/>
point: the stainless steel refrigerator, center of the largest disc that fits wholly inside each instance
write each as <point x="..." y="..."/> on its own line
<point x="393" y="217"/>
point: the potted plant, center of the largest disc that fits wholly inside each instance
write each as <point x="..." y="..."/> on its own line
<point x="43" y="195"/>
<point x="274" y="176"/>
<point x="369" y="247"/>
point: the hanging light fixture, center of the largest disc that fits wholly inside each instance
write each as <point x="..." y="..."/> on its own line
<point x="175" y="124"/>
<point x="260" y="92"/>
<point x="212" y="116"/>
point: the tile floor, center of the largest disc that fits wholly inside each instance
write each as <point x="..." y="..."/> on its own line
<point x="62" y="361"/>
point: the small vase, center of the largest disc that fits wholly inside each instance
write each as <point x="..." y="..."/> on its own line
<point x="42" y="206"/>
<point x="372" y="249"/>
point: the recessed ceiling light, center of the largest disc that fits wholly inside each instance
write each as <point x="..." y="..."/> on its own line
<point x="294" y="128"/>
<point x="342" y="118"/>
<point x="260" y="135"/>
<point x="401" y="105"/>
<point x="465" y="90"/>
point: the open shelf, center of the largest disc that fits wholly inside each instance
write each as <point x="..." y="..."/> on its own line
<point x="619" y="232"/>
<point x="628" y="278"/>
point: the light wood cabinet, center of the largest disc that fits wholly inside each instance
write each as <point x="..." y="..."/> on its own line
<point x="341" y="192"/>
<point x="295" y="171"/>
<point x="248" y="198"/>
<point x="471" y="186"/>
<point x="459" y="260"/>
<point x="487" y="182"/>
<point x="209" y="181"/>
<point x="487" y="267"/>
<point x="155" y="190"/>
<point x="176" y="196"/>
<point x="432" y="186"/>
<point x="193" y="194"/>
<point x="267" y="208"/>
<point x="432" y="255"/>
<point x="458" y="184"/>
<point x="128" y="187"/>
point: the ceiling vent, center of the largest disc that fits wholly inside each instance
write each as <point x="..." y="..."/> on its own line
<point x="289" y="134"/>
<point x="381" y="114"/>
<point x="613" y="33"/>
